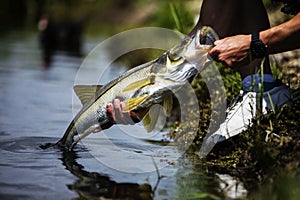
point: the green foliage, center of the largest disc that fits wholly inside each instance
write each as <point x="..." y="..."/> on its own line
<point x="173" y="15"/>
<point x="176" y="17"/>
<point x="203" y="196"/>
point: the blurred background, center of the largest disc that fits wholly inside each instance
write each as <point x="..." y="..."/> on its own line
<point x="69" y="27"/>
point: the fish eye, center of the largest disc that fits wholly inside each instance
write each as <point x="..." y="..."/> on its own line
<point x="174" y="55"/>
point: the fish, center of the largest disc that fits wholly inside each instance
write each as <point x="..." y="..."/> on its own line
<point x="141" y="88"/>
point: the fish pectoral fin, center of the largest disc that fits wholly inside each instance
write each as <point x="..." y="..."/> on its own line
<point x="139" y="84"/>
<point x="155" y="118"/>
<point x="168" y="104"/>
<point x="86" y="92"/>
<point x="134" y="102"/>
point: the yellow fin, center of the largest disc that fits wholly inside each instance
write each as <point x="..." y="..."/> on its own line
<point x="168" y="104"/>
<point x="132" y="103"/>
<point x="139" y="84"/>
<point x="155" y="118"/>
<point x="86" y="92"/>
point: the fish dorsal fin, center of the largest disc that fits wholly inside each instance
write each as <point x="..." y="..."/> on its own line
<point x="86" y="92"/>
<point x="168" y="104"/>
<point x="139" y="84"/>
<point x="134" y="102"/>
<point x="155" y="118"/>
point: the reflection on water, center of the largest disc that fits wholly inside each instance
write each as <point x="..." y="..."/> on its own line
<point x="96" y="185"/>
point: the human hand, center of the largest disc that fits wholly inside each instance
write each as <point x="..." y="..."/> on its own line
<point x="232" y="51"/>
<point x="116" y="114"/>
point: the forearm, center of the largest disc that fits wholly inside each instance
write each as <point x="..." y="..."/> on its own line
<point x="283" y="37"/>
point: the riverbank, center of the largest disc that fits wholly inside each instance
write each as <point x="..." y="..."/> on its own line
<point x="264" y="158"/>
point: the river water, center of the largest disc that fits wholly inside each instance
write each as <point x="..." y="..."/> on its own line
<point x="37" y="106"/>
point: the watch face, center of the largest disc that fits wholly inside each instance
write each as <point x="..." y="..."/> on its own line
<point x="258" y="49"/>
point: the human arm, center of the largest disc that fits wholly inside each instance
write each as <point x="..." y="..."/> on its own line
<point x="234" y="50"/>
<point x="283" y="37"/>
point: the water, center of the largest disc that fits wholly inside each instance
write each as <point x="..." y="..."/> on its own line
<point x="37" y="106"/>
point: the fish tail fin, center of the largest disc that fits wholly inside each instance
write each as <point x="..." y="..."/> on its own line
<point x="67" y="141"/>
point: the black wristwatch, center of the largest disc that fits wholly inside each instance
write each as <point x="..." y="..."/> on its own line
<point x="257" y="48"/>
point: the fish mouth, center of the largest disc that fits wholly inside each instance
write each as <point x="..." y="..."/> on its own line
<point x="207" y="37"/>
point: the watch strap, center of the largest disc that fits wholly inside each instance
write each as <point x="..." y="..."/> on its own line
<point x="255" y="36"/>
<point x="257" y="48"/>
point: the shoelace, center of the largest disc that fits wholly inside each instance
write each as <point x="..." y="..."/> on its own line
<point x="233" y="103"/>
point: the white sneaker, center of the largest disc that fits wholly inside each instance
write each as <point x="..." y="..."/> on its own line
<point x="241" y="112"/>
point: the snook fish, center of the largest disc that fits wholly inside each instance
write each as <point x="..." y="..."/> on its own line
<point x="141" y="87"/>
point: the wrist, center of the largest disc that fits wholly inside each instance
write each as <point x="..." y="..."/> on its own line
<point x="258" y="49"/>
